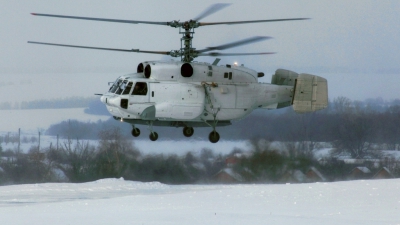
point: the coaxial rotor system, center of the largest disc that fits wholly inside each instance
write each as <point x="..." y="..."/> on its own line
<point x="186" y="28"/>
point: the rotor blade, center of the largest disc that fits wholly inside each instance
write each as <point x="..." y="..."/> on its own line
<point x="210" y="10"/>
<point x="249" y="21"/>
<point x="237" y="43"/>
<point x="97" y="48"/>
<point x="101" y="19"/>
<point x="232" y="54"/>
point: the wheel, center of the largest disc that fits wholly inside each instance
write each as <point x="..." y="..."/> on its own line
<point x="188" y="131"/>
<point x="213" y="137"/>
<point x="153" y="136"/>
<point x="135" y="132"/>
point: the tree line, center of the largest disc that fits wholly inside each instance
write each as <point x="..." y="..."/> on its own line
<point x="116" y="156"/>
<point x="353" y="127"/>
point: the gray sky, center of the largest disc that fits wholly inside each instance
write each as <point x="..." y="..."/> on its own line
<point x="354" y="44"/>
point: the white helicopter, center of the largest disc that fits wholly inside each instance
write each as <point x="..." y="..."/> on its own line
<point x="192" y="94"/>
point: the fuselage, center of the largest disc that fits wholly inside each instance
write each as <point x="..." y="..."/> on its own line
<point x="161" y="91"/>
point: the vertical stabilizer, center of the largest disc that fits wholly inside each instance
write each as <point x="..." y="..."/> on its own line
<point x="310" y="93"/>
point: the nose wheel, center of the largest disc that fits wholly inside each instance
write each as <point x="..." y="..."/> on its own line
<point x="213" y="137"/>
<point x="188" y="131"/>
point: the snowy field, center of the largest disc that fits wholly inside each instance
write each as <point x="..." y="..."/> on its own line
<point x="147" y="146"/>
<point x="116" y="201"/>
<point x="31" y="121"/>
<point x="35" y="119"/>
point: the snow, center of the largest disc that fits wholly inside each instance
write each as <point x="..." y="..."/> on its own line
<point x="364" y="169"/>
<point x="395" y="154"/>
<point x="322" y="153"/>
<point x="116" y="201"/>
<point x="145" y="147"/>
<point x="183" y="147"/>
<point x="32" y="121"/>
<point x="35" y="119"/>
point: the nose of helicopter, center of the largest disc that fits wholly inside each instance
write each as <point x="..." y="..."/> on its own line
<point x="111" y="101"/>
<point x="104" y="99"/>
<point x="112" y="104"/>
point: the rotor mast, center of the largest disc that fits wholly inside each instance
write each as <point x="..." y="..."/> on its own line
<point x="187" y="51"/>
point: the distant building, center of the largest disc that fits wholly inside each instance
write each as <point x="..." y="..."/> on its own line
<point x="383" y="173"/>
<point x="228" y="176"/>
<point x="231" y="161"/>
<point x="313" y="175"/>
<point x="359" y="173"/>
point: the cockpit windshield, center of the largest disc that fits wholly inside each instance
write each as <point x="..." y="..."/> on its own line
<point x="115" y="86"/>
<point x="121" y="87"/>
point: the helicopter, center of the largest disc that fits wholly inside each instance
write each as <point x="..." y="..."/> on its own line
<point x="192" y="94"/>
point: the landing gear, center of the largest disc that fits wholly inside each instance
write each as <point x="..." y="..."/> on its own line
<point x="188" y="131"/>
<point x="213" y="137"/>
<point x="153" y="136"/>
<point x="135" y="132"/>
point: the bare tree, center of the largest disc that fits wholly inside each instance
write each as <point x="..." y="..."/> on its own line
<point x="79" y="160"/>
<point x="114" y="152"/>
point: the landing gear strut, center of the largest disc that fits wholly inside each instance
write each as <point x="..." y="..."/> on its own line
<point x="214" y="136"/>
<point x="188" y="131"/>
<point x="153" y="135"/>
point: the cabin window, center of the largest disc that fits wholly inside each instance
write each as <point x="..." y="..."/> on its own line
<point x="127" y="88"/>
<point x="140" y="88"/>
<point x="226" y="75"/>
<point x="230" y="75"/>
<point x="210" y="71"/>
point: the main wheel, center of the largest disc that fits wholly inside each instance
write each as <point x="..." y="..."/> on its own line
<point x="188" y="131"/>
<point x="153" y="136"/>
<point x="135" y="132"/>
<point x="213" y="137"/>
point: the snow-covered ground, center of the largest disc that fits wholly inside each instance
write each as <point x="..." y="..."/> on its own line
<point x="32" y="120"/>
<point x="144" y="146"/>
<point x="116" y="201"/>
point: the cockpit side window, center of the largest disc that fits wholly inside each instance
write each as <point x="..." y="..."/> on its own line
<point x="140" y="88"/>
<point x="121" y="87"/>
<point x="127" y="88"/>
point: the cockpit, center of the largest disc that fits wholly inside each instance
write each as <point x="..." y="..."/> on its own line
<point x="124" y="87"/>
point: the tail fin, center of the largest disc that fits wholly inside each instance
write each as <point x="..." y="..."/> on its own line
<point x="310" y="93"/>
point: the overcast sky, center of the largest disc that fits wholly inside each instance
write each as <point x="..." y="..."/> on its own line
<point x="354" y="44"/>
